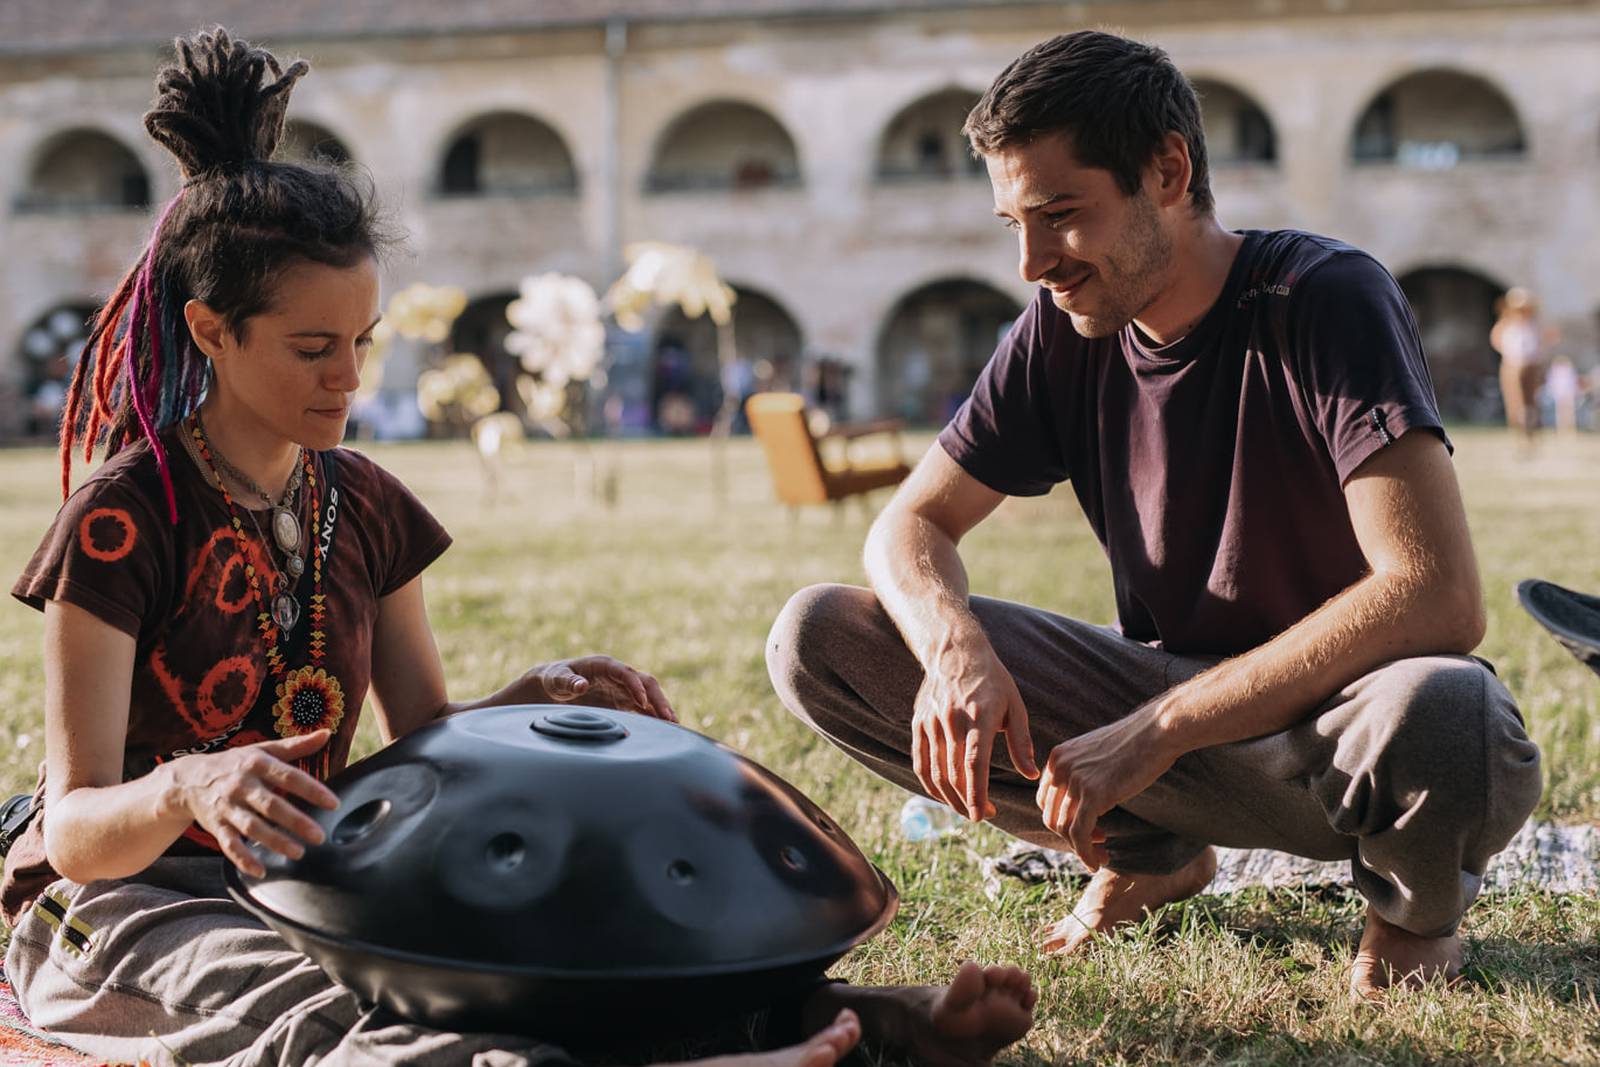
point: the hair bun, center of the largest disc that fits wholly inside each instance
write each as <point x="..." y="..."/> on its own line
<point x="215" y="108"/>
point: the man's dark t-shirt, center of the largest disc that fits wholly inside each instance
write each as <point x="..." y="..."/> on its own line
<point x="200" y="679"/>
<point x="1212" y="469"/>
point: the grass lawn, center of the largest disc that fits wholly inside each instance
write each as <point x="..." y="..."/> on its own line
<point x="672" y="580"/>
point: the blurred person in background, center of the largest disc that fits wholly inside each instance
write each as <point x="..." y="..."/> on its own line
<point x="1517" y="337"/>
<point x="1566" y="389"/>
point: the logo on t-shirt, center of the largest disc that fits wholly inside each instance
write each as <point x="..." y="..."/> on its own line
<point x="1259" y="286"/>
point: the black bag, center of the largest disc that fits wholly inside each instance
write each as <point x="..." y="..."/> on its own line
<point x="14" y="816"/>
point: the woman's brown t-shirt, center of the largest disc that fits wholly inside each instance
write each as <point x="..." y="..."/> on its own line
<point x="201" y="679"/>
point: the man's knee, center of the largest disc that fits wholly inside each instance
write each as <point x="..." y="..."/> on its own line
<point x="808" y="636"/>
<point x="1450" y="727"/>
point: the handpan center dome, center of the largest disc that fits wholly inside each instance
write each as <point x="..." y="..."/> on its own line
<point x="512" y="864"/>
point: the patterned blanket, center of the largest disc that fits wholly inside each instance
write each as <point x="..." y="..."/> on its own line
<point x="1562" y="859"/>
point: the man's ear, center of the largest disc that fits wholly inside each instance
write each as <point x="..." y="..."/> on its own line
<point x="1170" y="170"/>
<point x="208" y="329"/>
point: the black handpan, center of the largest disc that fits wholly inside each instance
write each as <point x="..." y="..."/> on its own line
<point x="1573" y="618"/>
<point x="561" y="871"/>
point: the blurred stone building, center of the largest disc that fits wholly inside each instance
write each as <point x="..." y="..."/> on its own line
<point x="812" y="147"/>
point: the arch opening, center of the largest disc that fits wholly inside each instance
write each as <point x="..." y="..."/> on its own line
<point x="934" y="344"/>
<point x="85" y="171"/>
<point x="506" y="154"/>
<point x="1454" y="309"/>
<point x="724" y="145"/>
<point x="311" y="142"/>
<point x="924" y="141"/>
<point x="482" y="329"/>
<point x="688" y="382"/>
<point x="1433" y="120"/>
<point x="48" y="352"/>
<point x="1238" y="130"/>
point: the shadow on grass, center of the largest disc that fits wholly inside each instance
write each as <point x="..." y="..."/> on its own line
<point x="1565" y="973"/>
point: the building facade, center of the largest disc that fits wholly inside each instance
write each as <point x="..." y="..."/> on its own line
<point x="813" y="150"/>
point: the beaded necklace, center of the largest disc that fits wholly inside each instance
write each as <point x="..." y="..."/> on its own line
<point x="309" y="698"/>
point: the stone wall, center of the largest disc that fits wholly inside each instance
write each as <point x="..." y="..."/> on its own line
<point x="840" y="246"/>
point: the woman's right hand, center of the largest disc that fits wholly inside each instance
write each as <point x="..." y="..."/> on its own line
<point x="240" y="795"/>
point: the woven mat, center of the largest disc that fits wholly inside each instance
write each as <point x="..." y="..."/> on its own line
<point x="23" y="1046"/>
<point x="1562" y="859"/>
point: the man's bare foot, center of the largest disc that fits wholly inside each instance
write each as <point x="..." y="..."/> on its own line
<point x="963" y="1024"/>
<point x="1390" y="956"/>
<point x="824" y="1048"/>
<point x="1112" y="899"/>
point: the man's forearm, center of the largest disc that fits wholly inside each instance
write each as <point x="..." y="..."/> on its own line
<point x="1382" y="618"/>
<point x="918" y="576"/>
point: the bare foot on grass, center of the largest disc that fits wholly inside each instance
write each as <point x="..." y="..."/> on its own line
<point x="1390" y="956"/>
<point x="1113" y="899"/>
<point x="824" y="1048"/>
<point x="963" y="1024"/>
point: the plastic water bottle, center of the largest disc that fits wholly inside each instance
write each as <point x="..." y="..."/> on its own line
<point x="922" y="819"/>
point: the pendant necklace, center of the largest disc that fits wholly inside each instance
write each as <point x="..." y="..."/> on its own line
<point x="285" y="524"/>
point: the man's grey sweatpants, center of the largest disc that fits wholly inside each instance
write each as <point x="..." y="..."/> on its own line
<point x="1416" y="773"/>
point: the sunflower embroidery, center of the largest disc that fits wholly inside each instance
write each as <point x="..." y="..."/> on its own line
<point x="309" y="699"/>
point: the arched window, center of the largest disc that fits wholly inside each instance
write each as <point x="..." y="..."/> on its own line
<point x="1454" y="310"/>
<point x="506" y="154"/>
<point x="310" y="141"/>
<point x="49" y="351"/>
<point x="924" y="141"/>
<point x="724" y="145"/>
<point x="688" y="382"/>
<point x="1237" y="129"/>
<point x="936" y="340"/>
<point x="85" y="170"/>
<point x="1434" y="119"/>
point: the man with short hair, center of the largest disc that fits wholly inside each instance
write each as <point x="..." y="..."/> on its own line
<point x="1248" y="423"/>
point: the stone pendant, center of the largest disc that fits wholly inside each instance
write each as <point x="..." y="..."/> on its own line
<point x="285" y="611"/>
<point x="285" y="529"/>
<point x="295" y="566"/>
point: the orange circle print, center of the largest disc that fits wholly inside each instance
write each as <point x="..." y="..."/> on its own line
<point x="86" y="536"/>
<point x="215" y="717"/>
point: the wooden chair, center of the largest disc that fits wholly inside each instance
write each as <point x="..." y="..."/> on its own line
<point x="794" y="453"/>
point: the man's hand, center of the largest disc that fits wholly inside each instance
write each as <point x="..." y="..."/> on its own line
<point x="965" y="699"/>
<point x="1094" y="772"/>
<point x="602" y="682"/>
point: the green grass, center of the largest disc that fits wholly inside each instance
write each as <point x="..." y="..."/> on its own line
<point x="675" y="581"/>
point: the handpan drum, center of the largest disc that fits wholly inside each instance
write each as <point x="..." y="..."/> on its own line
<point x="564" y="871"/>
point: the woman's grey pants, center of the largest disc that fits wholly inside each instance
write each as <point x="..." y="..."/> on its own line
<point x="1416" y="773"/>
<point x="165" y="967"/>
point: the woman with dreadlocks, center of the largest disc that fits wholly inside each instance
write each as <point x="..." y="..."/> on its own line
<point x="219" y="595"/>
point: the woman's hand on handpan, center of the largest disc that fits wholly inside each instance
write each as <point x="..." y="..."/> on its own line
<point x="1087" y="776"/>
<point x="966" y="698"/>
<point x="603" y="682"/>
<point x="241" y="795"/>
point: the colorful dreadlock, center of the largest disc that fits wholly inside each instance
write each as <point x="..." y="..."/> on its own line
<point x="133" y="355"/>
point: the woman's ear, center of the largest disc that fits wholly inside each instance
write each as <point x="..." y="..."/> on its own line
<point x="208" y="329"/>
